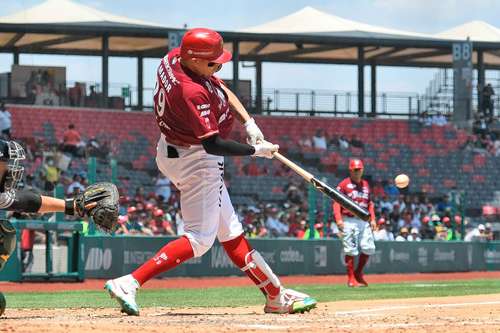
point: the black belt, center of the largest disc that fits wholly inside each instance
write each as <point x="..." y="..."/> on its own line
<point x="172" y="152"/>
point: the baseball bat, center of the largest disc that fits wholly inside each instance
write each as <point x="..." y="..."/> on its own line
<point x="331" y="192"/>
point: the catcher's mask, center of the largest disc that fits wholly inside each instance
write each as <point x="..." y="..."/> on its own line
<point x="12" y="154"/>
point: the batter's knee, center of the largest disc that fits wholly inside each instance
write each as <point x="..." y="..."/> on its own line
<point x="200" y="245"/>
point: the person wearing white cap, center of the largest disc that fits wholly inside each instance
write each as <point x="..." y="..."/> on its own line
<point x="476" y="235"/>
<point x="414" y="235"/>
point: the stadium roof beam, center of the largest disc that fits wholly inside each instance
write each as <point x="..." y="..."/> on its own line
<point x="14" y="40"/>
<point x="52" y="42"/>
<point x="307" y="36"/>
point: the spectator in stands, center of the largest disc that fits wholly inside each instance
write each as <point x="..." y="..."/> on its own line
<point x="319" y="140"/>
<point x="162" y="188"/>
<point x="333" y="141"/>
<point x="443" y="205"/>
<point x="76" y="186"/>
<point x="390" y="189"/>
<point x="399" y="204"/>
<point x="441" y="233"/>
<point x="71" y="141"/>
<point x="382" y="234"/>
<point x="488" y="231"/>
<point x="356" y="142"/>
<point x="76" y="94"/>
<point x="317" y="232"/>
<point x="122" y="225"/>
<point x="480" y="125"/>
<point x="439" y="119"/>
<point x="424" y="119"/>
<point x="405" y="220"/>
<point x="487" y="95"/>
<point x="50" y="174"/>
<point x="305" y="142"/>
<point x="301" y="230"/>
<point x="5" y="122"/>
<point x="378" y="189"/>
<point x="293" y="194"/>
<point x="427" y="229"/>
<point x="94" y="148"/>
<point x="343" y="143"/>
<point x="414" y="236"/>
<point x="403" y="235"/>
<point x="159" y="225"/>
<point x="416" y="221"/>
<point x="386" y="203"/>
<point x="276" y="227"/>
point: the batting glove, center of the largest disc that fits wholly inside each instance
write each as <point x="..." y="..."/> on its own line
<point x="265" y="149"/>
<point x="254" y="134"/>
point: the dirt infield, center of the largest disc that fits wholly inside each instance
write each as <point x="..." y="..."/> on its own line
<point x="235" y="281"/>
<point x="478" y="313"/>
<point x="447" y="314"/>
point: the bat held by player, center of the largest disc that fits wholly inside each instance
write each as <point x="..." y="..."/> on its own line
<point x="331" y="192"/>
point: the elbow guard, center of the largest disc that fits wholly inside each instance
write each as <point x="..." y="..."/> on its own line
<point x="26" y="202"/>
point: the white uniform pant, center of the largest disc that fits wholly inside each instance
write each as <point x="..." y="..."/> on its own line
<point x="357" y="235"/>
<point x="205" y="205"/>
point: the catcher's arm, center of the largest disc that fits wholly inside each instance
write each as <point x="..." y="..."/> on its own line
<point x="99" y="201"/>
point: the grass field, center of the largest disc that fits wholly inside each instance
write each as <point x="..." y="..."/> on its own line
<point x="247" y="296"/>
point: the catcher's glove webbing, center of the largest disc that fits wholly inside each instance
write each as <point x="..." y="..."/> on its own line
<point x="98" y="201"/>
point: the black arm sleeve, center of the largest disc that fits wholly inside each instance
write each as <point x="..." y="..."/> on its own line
<point x="215" y="145"/>
<point x="26" y="202"/>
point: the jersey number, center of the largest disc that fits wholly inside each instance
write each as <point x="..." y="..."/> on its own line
<point x="160" y="102"/>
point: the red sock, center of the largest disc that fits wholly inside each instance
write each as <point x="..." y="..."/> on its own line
<point x="349" y="262"/>
<point x="237" y="249"/>
<point x="170" y="256"/>
<point x="363" y="259"/>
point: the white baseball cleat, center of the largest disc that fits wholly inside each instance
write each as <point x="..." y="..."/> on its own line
<point x="289" y="301"/>
<point x="123" y="289"/>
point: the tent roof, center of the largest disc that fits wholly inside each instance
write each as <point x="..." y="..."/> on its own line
<point x="311" y="35"/>
<point x="67" y="27"/>
<point x="477" y="31"/>
<point x="68" y="12"/>
<point x="309" y="20"/>
<point x="308" y="35"/>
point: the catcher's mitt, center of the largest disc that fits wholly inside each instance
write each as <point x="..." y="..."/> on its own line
<point x="99" y="201"/>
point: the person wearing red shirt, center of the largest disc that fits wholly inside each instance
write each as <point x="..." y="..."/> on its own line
<point x="195" y="111"/>
<point x="71" y="140"/>
<point x="356" y="234"/>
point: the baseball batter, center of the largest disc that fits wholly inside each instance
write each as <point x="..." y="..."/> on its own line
<point x="356" y="234"/>
<point x="195" y="112"/>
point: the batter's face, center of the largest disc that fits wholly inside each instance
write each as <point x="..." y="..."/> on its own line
<point x="356" y="174"/>
<point x="203" y="67"/>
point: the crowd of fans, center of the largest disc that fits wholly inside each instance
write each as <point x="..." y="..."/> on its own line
<point x="408" y="217"/>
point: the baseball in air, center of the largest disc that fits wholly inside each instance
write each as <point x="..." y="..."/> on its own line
<point x="402" y="181"/>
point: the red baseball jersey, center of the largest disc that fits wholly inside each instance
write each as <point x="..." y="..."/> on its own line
<point x="189" y="107"/>
<point x="360" y="193"/>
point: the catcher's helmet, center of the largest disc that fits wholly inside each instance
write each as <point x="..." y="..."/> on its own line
<point x="205" y="44"/>
<point x="13" y="154"/>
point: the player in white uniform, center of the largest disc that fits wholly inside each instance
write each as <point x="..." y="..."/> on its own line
<point x="195" y="111"/>
<point x="356" y="233"/>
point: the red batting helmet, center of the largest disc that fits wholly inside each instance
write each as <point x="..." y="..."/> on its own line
<point x="205" y="44"/>
<point x="355" y="164"/>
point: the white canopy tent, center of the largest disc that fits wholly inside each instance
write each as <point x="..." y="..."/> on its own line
<point x="306" y="36"/>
